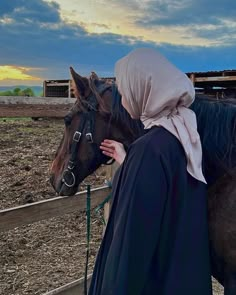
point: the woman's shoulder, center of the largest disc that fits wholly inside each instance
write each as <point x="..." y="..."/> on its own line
<point x="158" y="145"/>
<point x="157" y="138"/>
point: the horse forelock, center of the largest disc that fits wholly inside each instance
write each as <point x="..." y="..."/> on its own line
<point x="95" y="85"/>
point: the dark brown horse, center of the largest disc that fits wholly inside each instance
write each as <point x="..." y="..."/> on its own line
<point x="98" y="114"/>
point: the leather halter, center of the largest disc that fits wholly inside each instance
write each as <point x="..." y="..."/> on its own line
<point x="85" y="128"/>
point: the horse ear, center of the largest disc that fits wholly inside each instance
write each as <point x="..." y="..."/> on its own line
<point x="94" y="76"/>
<point x="79" y="81"/>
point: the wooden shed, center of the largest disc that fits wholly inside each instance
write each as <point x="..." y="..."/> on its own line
<point x="57" y="88"/>
<point x="221" y="84"/>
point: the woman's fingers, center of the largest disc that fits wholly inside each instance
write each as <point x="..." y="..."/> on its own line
<point x="108" y="144"/>
<point x="108" y="154"/>
<point x="107" y="149"/>
<point x="113" y="149"/>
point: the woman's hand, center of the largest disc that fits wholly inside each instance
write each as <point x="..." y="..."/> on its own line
<point x="113" y="149"/>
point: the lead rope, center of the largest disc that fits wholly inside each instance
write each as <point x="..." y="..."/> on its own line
<point x="88" y="218"/>
<point x="99" y="208"/>
<point x="88" y="214"/>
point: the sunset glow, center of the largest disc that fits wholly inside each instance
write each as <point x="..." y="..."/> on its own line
<point x="16" y="73"/>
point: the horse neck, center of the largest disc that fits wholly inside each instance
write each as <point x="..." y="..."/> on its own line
<point x="124" y="125"/>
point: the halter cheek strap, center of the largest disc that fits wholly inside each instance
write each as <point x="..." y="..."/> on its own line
<point x="86" y="128"/>
<point x="68" y="177"/>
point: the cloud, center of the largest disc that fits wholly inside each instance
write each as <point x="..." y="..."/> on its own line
<point x="222" y="34"/>
<point x="27" y="42"/>
<point x="7" y="7"/>
<point x="211" y="19"/>
<point x="185" y="12"/>
<point x="16" y="73"/>
<point x="33" y="10"/>
<point x="37" y="37"/>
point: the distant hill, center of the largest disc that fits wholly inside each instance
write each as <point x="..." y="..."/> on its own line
<point x="36" y="89"/>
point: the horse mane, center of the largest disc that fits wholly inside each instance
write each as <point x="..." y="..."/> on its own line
<point x="217" y="128"/>
<point x="121" y="116"/>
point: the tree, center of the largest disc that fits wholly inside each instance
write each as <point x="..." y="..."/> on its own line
<point x="7" y="93"/>
<point x="16" y="91"/>
<point x="27" y="92"/>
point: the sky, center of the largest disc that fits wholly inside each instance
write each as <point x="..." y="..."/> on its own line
<point x="41" y="39"/>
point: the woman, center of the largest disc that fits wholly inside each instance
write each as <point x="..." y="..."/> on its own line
<point x="156" y="241"/>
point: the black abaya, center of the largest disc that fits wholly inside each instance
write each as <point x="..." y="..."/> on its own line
<point x="156" y="240"/>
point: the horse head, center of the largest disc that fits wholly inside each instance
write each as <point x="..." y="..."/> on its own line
<point x="96" y="115"/>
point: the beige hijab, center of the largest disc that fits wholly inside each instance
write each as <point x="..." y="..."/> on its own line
<point x="158" y="93"/>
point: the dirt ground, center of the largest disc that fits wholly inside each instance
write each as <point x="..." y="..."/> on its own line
<point x="48" y="254"/>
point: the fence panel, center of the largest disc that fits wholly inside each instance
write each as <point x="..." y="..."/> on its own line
<point x="35" y="107"/>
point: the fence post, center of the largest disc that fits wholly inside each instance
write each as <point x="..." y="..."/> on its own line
<point x="110" y="172"/>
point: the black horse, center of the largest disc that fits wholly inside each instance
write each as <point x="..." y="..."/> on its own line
<point x="98" y="114"/>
